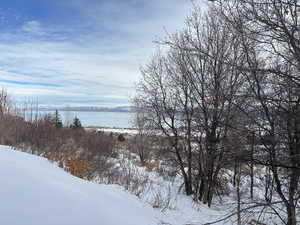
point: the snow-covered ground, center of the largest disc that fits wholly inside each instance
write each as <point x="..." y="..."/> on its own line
<point x="35" y="192"/>
<point x="165" y="195"/>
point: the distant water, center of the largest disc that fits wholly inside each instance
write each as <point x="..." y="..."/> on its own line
<point x="98" y="119"/>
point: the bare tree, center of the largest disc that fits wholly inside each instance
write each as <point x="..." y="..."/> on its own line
<point x="159" y="95"/>
<point x="269" y="31"/>
<point x="5" y="102"/>
<point x="190" y="91"/>
<point x="141" y="143"/>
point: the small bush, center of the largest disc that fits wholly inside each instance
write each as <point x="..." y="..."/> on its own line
<point x="121" y="138"/>
<point x="71" y="163"/>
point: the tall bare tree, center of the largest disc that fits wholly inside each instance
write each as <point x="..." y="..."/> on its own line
<point x="190" y="91"/>
<point x="270" y="34"/>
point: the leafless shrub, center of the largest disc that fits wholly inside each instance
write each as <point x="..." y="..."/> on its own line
<point x="162" y="201"/>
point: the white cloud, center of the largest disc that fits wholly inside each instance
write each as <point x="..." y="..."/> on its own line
<point x="91" y="68"/>
<point x="79" y="73"/>
<point x="33" y="27"/>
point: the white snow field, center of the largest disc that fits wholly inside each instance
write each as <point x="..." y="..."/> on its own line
<point x="35" y="192"/>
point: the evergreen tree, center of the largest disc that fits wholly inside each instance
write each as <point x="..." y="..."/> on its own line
<point x="57" y="120"/>
<point x="76" y="123"/>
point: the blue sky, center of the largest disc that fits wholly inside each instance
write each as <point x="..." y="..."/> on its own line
<point x="81" y="52"/>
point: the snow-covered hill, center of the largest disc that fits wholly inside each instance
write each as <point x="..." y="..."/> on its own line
<point x="36" y="192"/>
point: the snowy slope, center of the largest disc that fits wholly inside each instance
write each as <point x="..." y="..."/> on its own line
<point x="36" y="192"/>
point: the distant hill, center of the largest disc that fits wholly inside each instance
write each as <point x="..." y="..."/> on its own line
<point x="90" y="108"/>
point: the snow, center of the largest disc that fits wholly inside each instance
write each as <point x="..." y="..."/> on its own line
<point x="175" y="207"/>
<point x="34" y="192"/>
<point x="118" y="130"/>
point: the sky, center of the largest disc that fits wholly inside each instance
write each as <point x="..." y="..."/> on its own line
<point x="81" y="52"/>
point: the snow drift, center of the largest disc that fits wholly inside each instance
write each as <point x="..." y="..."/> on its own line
<point x="34" y="192"/>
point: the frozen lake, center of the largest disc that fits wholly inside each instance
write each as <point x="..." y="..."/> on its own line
<point x="97" y="119"/>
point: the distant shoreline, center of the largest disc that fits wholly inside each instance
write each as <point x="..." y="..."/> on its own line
<point x="129" y="131"/>
<point x="126" y="109"/>
<point x="63" y="110"/>
<point x="89" y="118"/>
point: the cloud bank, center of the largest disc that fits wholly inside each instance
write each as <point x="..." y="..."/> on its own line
<point x="81" y="52"/>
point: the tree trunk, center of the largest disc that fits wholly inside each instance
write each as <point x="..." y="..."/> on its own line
<point x="251" y="167"/>
<point x="239" y="222"/>
<point x="291" y="215"/>
<point x="235" y="171"/>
